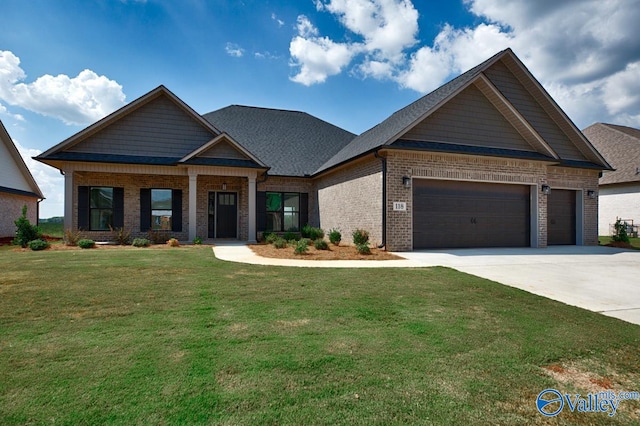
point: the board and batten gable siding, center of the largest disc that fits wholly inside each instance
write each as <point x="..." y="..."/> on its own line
<point x="223" y="149"/>
<point x="469" y="119"/>
<point x="531" y="110"/>
<point x="158" y="129"/>
<point x="10" y="174"/>
<point x="350" y="198"/>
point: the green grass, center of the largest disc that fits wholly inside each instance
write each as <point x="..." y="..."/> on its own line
<point x="635" y="242"/>
<point x="52" y="229"/>
<point x="175" y="336"/>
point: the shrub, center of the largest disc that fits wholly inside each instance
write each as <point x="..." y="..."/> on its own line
<point x="72" y="237"/>
<point x="140" y="242"/>
<point x="157" y="237"/>
<point x="321" y="244"/>
<point x="25" y="231"/>
<point x="363" y="248"/>
<point x="302" y="246"/>
<point x="197" y="241"/>
<point x="38" y="244"/>
<point x="279" y="243"/>
<point x="620" y="234"/>
<point x="291" y="236"/>
<point x="271" y="238"/>
<point x="360" y="236"/>
<point x="335" y="237"/>
<point x="122" y="236"/>
<point x="172" y="242"/>
<point x="312" y="233"/>
<point x="86" y="243"/>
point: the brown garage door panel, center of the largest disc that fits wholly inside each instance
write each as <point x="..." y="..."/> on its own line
<point x="452" y="214"/>
<point x="561" y="217"/>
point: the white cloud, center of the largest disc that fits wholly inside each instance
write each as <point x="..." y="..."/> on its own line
<point x="49" y="180"/>
<point x="585" y="52"/>
<point x="234" y="50"/>
<point x="280" y="22"/>
<point x="78" y="100"/>
<point x="316" y="57"/>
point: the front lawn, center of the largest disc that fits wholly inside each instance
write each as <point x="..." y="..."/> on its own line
<point x="175" y="336"/>
<point x="604" y="240"/>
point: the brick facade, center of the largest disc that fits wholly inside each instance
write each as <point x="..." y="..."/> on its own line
<point x="11" y="209"/>
<point x="424" y="165"/>
<point x="618" y="201"/>
<point x="351" y="198"/>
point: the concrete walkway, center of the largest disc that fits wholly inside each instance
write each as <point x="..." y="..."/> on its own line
<point x="600" y="279"/>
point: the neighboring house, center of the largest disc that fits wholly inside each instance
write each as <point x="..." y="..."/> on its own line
<point x="17" y="187"/>
<point x="619" y="195"/>
<point x="468" y="165"/>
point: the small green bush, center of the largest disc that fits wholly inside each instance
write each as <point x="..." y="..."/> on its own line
<point x="197" y="241"/>
<point x="321" y="244"/>
<point x="280" y="243"/>
<point x="302" y="246"/>
<point x="363" y="248"/>
<point x="86" y="243"/>
<point x="25" y="231"/>
<point x="38" y="245"/>
<point x="270" y="237"/>
<point x="122" y="235"/>
<point x="141" y="242"/>
<point x="620" y="235"/>
<point x="360" y="236"/>
<point x="71" y="237"/>
<point x="291" y="236"/>
<point x="335" y="237"/>
<point x="312" y="233"/>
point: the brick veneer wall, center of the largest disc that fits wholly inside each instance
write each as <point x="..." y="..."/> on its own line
<point x="351" y="198"/>
<point x="292" y="184"/>
<point x="207" y="184"/>
<point x="132" y="183"/>
<point x="419" y="165"/>
<point x="11" y="209"/>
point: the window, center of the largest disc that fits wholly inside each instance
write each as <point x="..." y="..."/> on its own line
<point x="161" y="209"/>
<point x="283" y="211"/>
<point x="100" y="208"/>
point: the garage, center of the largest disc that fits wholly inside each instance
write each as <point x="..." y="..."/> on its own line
<point x="561" y="217"/>
<point x="457" y="214"/>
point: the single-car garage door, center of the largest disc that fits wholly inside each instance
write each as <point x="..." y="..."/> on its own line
<point x="561" y="217"/>
<point x="454" y="214"/>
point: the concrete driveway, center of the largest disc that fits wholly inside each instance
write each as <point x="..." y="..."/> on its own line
<point x="600" y="279"/>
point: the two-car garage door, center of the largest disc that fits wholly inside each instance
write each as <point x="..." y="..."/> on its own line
<point x="456" y="214"/>
<point x="460" y="214"/>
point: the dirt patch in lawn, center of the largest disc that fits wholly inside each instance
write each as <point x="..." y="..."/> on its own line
<point x="341" y="252"/>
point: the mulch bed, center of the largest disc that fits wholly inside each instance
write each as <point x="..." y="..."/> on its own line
<point x="342" y="252"/>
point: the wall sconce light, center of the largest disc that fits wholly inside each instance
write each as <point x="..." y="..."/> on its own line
<point x="546" y="189"/>
<point x="406" y="182"/>
<point x="224" y="186"/>
<point x="591" y="194"/>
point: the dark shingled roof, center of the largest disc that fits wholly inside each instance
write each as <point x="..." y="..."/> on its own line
<point x="391" y="127"/>
<point x="620" y="146"/>
<point x="291" y="143"/>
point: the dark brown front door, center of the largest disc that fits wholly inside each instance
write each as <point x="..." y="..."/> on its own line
<point x="455" y="214"/>
<point x="226" y="215"/>
<point x="561" y="217"/>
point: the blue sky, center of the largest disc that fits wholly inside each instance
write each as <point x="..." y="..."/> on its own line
<point x="65" y="64"/>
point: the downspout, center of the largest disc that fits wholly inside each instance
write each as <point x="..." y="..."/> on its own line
<point x="384" y="199"/>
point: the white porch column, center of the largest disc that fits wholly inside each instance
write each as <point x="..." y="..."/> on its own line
<point x="252" y="209"/>
<point x="68" y="199"/>
<point x="193" y="203"/>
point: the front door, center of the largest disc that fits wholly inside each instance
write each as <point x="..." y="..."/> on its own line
<point x="226" y="215"/>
